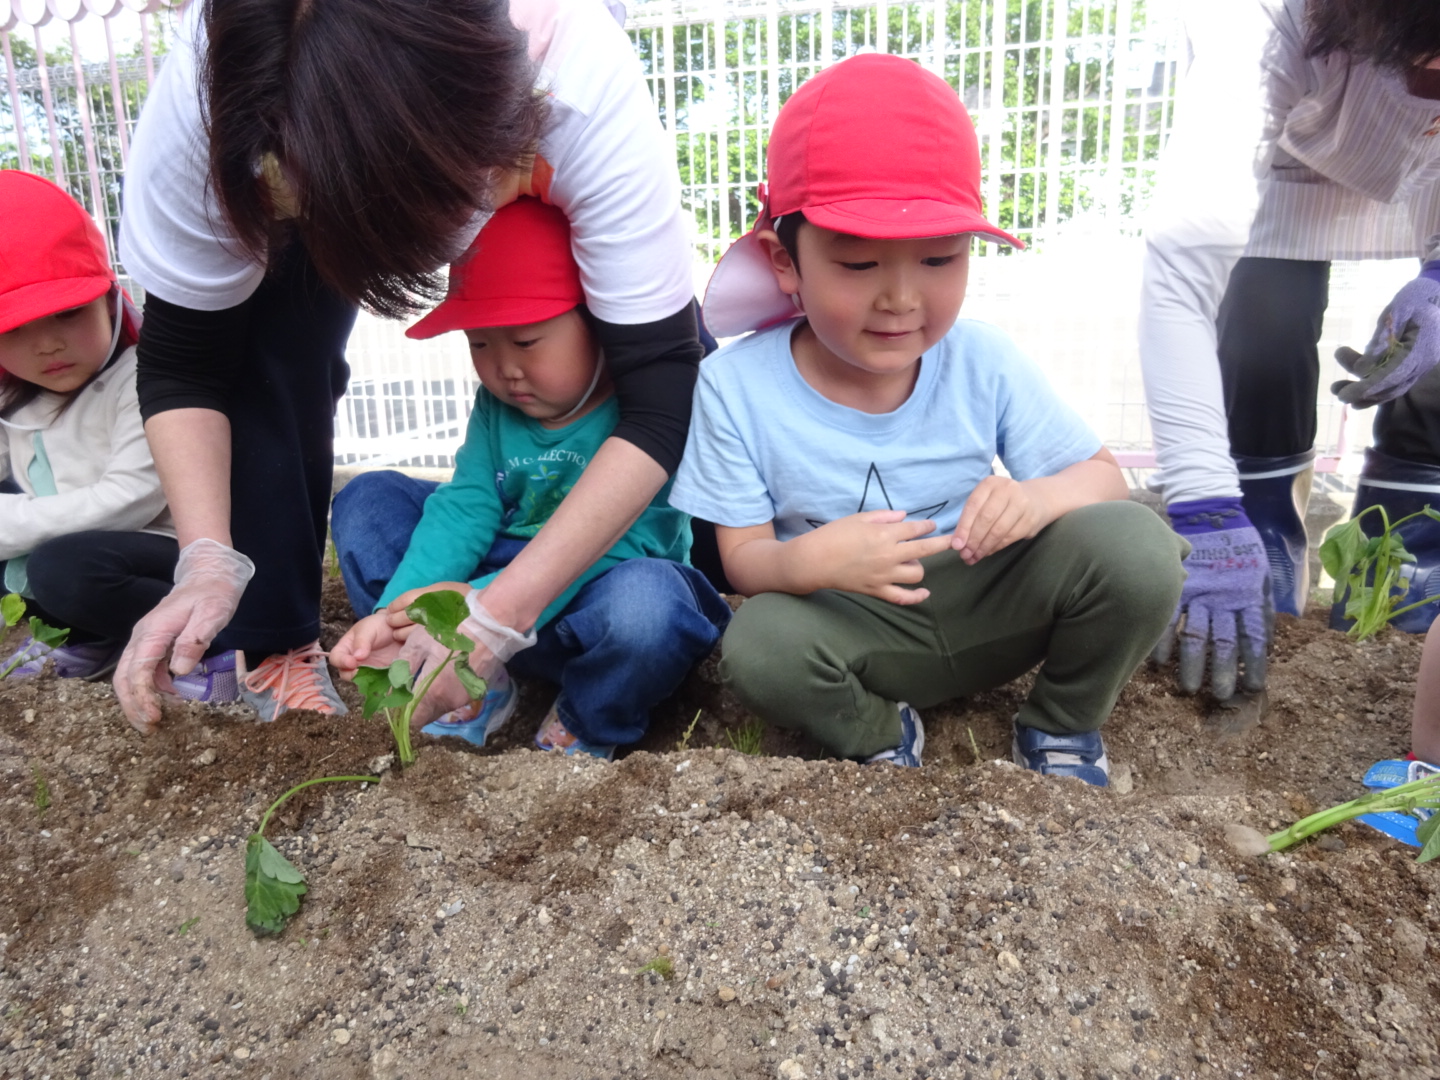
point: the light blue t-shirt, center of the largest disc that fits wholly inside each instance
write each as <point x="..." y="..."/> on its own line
<point x="766" y="446"/>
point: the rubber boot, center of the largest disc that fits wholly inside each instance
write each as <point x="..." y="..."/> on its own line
<point x="1402" y="488"/>
<point x="1276" y="493"/>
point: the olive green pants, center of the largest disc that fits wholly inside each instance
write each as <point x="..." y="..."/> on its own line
<point x="1086" y="599"/>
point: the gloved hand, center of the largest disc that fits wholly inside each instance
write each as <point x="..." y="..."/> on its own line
<point x="210" y="578"/>
<point x="491" y="635"/>
<point x="1406" y="345"/>
<point x="1225" y="609"/>
<point x="447" y="693"/>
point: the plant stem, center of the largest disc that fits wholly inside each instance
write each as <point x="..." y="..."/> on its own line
<point x="402" y="731"/>
<point x="12" y="666"/>
<point x="304" y="784"/>
<point x="1425" y="792"/>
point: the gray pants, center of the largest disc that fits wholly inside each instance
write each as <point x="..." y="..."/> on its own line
<point x="1086" y="599"/>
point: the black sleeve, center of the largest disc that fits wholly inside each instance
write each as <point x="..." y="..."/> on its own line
<point x="653" y="366"/>
<point x="188" y="359"/>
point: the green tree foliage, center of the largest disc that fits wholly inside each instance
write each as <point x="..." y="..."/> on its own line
<point x="1053" y="83"/>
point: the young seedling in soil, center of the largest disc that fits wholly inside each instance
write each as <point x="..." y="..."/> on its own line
<point x="12" y="607"/>
<point x="747" y="738"/>
<point x="684" y="743"/>
<point x="661" y="965"/>
<point x="1423" y="794"/>
<point x="1370" y="568"/>
<point x="273" y="886"/>
<point x="393" y="689"/>
<point x="42" y="791"/>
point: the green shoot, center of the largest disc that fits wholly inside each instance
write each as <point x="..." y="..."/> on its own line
<point x="1423" y="794"/>
<point x="41" y="632"/>
<point x="662" y="965"/>
<point x="747" y="738"/>
<point x="393" y="690"/>
<point x="188" y="925"/>
<point x="332" y="558"/>
<point x="1369" y="567"/>
<point x="273" y="886"/>
<point x="974" y="747"/>
<point x="42" y="791"/>
<point x="684" y="743"/>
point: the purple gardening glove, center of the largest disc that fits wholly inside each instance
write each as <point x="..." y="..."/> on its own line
<point x="1406" y="345"/>
<point x="1225" y="608"/>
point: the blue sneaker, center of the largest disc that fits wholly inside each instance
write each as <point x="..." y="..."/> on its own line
<point x="89" y="661"/>
<point x="1081" y="755"/>
<point x="554" y="735"/>
<point x="912" y="741"/>
<point x="1387" y="774"/>
<point x="479" y="720"/>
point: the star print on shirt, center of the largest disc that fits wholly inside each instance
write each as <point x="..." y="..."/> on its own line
<point x="875" y="482"/>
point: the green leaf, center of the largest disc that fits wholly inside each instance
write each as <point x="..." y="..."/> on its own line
<point x="399" y="673"/>
<point x="12" y="607"/>
<point x="47" y="635"/>
<point x="474" y="685"/>
<point x="374" y="683"/>
<point x="1342" y="548"/>
<point x="1428" y="833"/>
<point x="273" y="887"/>
<point x="441" y="613"/>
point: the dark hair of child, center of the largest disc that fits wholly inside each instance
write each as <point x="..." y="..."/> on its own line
<point x="16" y="393"/>
<point x="1392" y="34"/>
<point x="390" y="120"/>
<point x="788" y="230"/>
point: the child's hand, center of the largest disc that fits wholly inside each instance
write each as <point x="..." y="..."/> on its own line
<point x="874" y="553"/>
<point x="371" y="642"/>
<point x="395" y="610"/>
<point x="998" y="512"/>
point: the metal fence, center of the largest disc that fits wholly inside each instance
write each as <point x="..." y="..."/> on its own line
<point x="1072" y="100"/>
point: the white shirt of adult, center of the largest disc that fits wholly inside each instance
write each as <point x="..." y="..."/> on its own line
<point x="1272" y="155"/>
<point x="604" y="159"/>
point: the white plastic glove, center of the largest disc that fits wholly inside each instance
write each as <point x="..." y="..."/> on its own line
<point x="423" y="653"/>
<point x="210" y="578"/>
<point x="488" y="632"/>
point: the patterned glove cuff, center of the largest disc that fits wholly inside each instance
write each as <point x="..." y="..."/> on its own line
<point x="1207" y="516"/>
<point x="1431" y="271"/>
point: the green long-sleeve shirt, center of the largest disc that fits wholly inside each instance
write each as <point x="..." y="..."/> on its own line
<point x="510" y="475"/>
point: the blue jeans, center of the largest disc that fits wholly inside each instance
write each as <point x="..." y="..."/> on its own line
<point x="619" y="648"/>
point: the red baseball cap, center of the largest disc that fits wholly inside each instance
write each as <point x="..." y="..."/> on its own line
<point x="519" y="270"/>
<point x="873" y="146"/>
<point x="52" y="254"/>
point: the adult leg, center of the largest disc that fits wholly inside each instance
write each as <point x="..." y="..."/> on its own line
<point x="282" y="420"/>
<point x="1089" y="597"/>
<point x="1268" y="331"/>
<point x="624" y="644"/>
<point x="100" y="584"/>
<point x="371" y="522"/>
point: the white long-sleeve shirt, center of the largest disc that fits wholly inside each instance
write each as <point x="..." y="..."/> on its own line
<point x="98" y="459"/>
<point x="1273" y="155"/>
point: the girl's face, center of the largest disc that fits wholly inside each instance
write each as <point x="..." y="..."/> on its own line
<point x="60" y="352"/>
<point x="543" y="369"/>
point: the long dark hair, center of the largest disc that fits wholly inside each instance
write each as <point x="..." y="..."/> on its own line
<point x="1391" y="34"/>
<point x="390" y="120"/>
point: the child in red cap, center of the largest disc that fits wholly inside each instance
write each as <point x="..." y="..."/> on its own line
<point x="85" y="536"/>
<point x="845" y="454"/>
<point x="623" y="635"/>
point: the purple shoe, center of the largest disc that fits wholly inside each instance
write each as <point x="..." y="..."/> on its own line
<point x="90" y="661"/>
<point x="212" y="680"/>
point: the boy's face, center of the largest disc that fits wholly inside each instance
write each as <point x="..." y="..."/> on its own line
<point x="60" y="352"/>
<point x="543" y="369"/>
<point x="875" y="304"/>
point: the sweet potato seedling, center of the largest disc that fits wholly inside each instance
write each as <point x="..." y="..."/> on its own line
<point x="273" y="887"/>
<point x="1369" y="568"/>
<point x="394" y="691"/>
<point x="1422" y="794"/>
<point x="12" y="608"/>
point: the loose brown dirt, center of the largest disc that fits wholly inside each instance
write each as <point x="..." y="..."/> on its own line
<point x="694" y="912"/>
